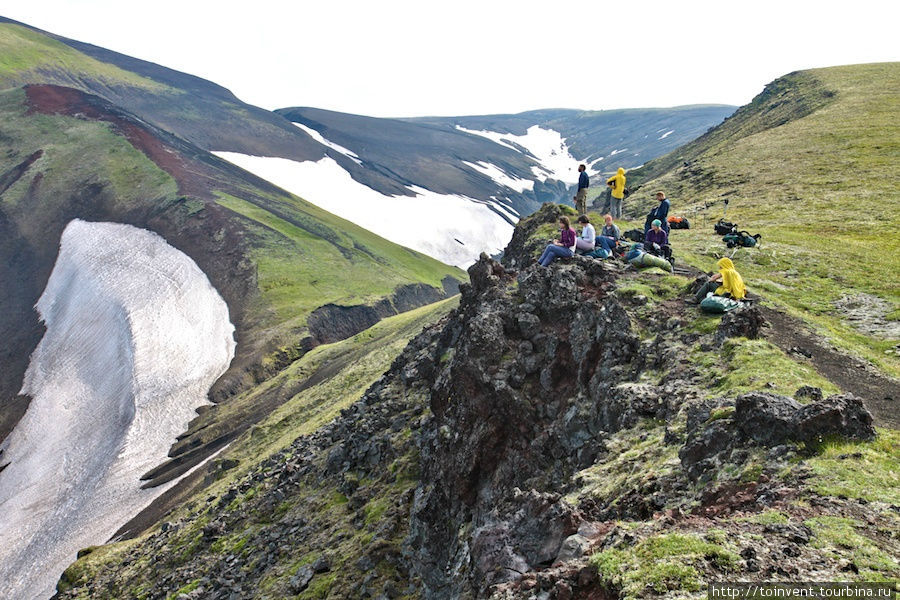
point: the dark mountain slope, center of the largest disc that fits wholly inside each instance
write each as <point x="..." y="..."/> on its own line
<point x="420" y="153"/>
<point x="432" y="152"/>
<point x="636" y="135"/>
<point x="195" y="109"/>
<point x="280" y="264"/>
<point x="397" y="155"/>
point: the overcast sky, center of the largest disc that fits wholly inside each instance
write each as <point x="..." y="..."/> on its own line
<point x="413" y="58"/>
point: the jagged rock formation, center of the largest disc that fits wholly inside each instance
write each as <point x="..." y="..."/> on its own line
<point x="498" y="453"/>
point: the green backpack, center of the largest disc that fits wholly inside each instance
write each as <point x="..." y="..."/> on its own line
<point x="718" y="304"/>
<point x="741" y="238"/>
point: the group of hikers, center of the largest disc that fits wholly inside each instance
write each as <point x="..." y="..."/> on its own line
<point x="727" y="282"/>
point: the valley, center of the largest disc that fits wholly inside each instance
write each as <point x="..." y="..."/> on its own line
<point x="241" y="358"/>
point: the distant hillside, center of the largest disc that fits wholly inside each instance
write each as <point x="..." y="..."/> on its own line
<point x="606" y="139"/>
<point x="280" y="263"/>
<point x="812" y="165"/>
<point x="505" y="164"/>
<point x="193" y="108"/>
<point x="470" y="178"/>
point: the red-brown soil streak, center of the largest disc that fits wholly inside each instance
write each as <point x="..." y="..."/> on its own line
<point x="57" y="100"/>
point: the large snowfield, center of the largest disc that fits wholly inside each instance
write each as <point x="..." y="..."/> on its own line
<point x="454" y="229"/>
<point x="135" y="336"/>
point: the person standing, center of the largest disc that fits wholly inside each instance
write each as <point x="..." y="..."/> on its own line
<point x="660" y="212"/>
<point x="581" y="194"/>
<point x="617" y="193"/>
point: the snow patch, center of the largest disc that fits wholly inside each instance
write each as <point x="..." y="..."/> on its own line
<point x="547" y="146"/>
<point x="666" y="134"/>
<point x="135" y="337"/>
<point x="427" y="222"/>
<point x="321" y="139"/>
<point x="500" y="138"/>
<point x="500" y="176"/>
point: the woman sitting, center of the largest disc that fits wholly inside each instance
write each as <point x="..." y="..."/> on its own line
<point x="727" y="282"/>
<point x="656" y="241"/>
<point x="563" y="247"/>
<point x="586" y="241"/>
<point x="608" y="235"/>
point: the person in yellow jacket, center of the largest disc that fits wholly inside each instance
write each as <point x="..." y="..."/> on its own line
<point x="617" y="193"/>
<point x="727" y="282"/>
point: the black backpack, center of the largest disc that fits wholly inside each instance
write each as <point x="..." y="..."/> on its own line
<point x="679" y="223"/>
<point x="635" y="235"/>
<point x="741" y="238"/>
<point x="724" y="227"/>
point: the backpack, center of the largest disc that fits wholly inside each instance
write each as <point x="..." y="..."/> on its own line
<point x="741" y="238"/>
<point x="724" y="227"/>
<point x="678" y="223"/>
<point x="598" y="253"/>
<point x="645" y="259"/>
<point x="718" y="304"/>
<point x="635" y="235"/>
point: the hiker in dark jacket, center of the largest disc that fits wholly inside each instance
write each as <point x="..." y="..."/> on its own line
<point x="564" y="247"/>
<point x="660" y="211"/>
<point x="581" y="194"/>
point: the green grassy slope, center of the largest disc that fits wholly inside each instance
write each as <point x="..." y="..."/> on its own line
<point x="812" y="165"/>
<point x="197" y="110"/>
<point x="333" y="376"/>
<point x="304" y="256"/>
<point x="272" y="256"/>
<point x="27" y="56"/>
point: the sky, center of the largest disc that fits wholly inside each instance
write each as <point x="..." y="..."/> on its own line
<point x="392" y="58"/>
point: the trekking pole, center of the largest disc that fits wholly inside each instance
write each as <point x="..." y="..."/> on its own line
<point x="726" y="209"/>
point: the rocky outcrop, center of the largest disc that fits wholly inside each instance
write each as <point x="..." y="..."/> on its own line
<point x="745" y="322"/>
<point x="332" y="323"/>
<point x="524" y="246"/>
<point x="549" y="420"/>
<point x="770" y="420"/>
<point x="518" y="407"/>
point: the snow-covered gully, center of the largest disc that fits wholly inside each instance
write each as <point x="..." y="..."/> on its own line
<point x="136" y="335"/>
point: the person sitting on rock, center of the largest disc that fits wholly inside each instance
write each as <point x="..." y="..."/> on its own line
<point x="608" y="235"/>
<point x="727" y="282"/>
<point x="564" y="247"/>
<point x="586" y="241"/>
<point x="656" y="241"/>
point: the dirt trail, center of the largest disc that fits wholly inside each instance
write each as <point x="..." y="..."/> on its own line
<point x="880" y="393"/>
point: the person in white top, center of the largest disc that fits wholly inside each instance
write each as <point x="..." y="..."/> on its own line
<point x="588" y="235"/>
